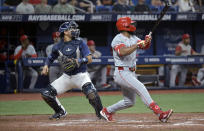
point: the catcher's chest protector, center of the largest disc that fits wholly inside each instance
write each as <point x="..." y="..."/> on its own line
<point x="70" y="49"/>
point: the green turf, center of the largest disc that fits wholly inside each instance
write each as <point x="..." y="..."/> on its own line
<point x="191" y="102"/>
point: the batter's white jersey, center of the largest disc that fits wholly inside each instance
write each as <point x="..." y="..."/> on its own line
<point x="130" y="85"/>
<point x="30" y="50"/>
<point x="125" y="61"/>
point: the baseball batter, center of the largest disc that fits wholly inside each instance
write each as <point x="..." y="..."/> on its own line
<point x="26" y="50"/>
<point x="73" y="55"/>
<point x="55" y="71"/>
<point x="124" y="47"/>
<point x="182" y="49"/>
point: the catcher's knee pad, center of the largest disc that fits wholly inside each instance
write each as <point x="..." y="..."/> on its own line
<point x="89" y="90"/>
<point x="49" y="95"/>
<point x="94" y="99"/>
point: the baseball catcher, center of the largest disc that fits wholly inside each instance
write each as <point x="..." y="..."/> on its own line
<point x="73" y="55"/>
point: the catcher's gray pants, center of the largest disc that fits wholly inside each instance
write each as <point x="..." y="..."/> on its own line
<point x="130" y="87"/>
<point x="175" y="69"/>
<point x="54" y="73"/>
<point x="66" y="82"/>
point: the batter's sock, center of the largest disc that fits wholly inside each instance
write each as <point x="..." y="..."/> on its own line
<point x="156" y="109"/>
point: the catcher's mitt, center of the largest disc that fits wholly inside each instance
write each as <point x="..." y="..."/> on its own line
<point x="67" y="64"/>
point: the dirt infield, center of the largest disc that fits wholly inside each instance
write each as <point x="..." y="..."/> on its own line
<point x="88" y="122"/>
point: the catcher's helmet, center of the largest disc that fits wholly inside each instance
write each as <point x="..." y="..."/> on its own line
<point x="126" y="24"/>
<point x="71" y="25"/>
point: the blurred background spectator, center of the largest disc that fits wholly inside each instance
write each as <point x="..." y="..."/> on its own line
<point x="97" y="70"/>
<point x="26" y="50"/>
<point x="11" y="2"/>
<point x="121" y="6"/>
<point x="141" y="6"/>
<point x="108" y="2"/>
<point x="201" y="4"/>
<point x="182" y="49"/>
<point x="43" y="7"/>
<point x="25" y="8"/>
<point x="34" y="2"/>
<point x="156" y="5"/>
<point x="75" y="4"/>
<point x="54" y="71"/>
<point x="89" y="6"/>
<point x="3" y="51"/>
<point x="186" y="5"/>
<point x="63" y="8"/>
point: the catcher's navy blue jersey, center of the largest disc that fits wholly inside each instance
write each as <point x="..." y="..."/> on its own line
<point x="72" y="49"/>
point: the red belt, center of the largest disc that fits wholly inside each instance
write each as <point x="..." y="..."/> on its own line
<point x="122" y="68"/>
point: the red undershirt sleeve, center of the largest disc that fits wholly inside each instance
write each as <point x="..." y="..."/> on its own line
<point x="118" y="47"/>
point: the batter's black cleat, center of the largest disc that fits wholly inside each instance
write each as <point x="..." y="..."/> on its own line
<point x="58" y="115"/>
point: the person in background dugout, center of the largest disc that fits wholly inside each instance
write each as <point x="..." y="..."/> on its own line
<point x="121" y="6"/>
<point x="3" y="51"/>
<point x="25" y="8"/>
<point x="201" y="5"/>
<point x="11" y="2"/>
<point x="43" y="7"/>
<point x="199" y="80"/>
<point x="63" y="8"/>
<point x="55" y="71"/>
<point x="182" y="49"/>
<point x="26" y="50"/>
<point x="186" y="6"/>
<point x="141" y="6"/>
<point x="87" y="6"/>
<point x="34" y="2"/>
<point x="95" y="70"/>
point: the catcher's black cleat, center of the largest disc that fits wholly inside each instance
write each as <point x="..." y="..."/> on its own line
<point x="58" y="115"/>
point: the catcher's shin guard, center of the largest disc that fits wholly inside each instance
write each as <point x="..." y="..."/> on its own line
<point x="94" y="99"/>
<point x="49" y="95"/>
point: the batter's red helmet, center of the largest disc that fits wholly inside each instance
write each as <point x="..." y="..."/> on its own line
<point x="125" y="24"/>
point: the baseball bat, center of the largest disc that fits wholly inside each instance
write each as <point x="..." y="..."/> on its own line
<point x="163" y="12"/>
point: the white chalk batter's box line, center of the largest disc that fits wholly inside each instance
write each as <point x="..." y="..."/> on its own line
<point x="122" y="123"/>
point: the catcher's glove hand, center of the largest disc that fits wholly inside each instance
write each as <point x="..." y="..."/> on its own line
<point x="68" y="64"/>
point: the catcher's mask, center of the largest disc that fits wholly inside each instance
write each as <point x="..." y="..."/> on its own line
<point x="71" y="25"/>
